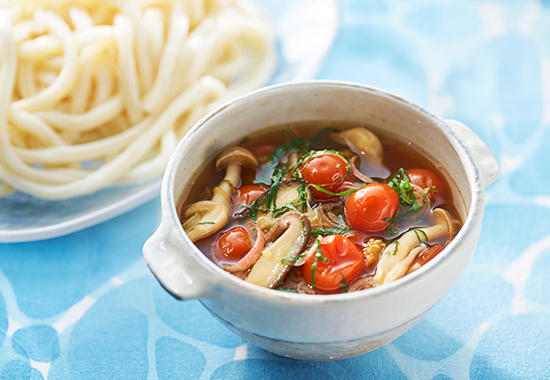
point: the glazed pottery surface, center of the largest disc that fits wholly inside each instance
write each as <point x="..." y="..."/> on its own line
<point x="320" y="327"/>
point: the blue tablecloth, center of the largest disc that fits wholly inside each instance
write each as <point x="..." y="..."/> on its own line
<point x="85" y="306"/>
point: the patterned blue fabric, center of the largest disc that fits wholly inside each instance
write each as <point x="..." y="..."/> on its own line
<point x="85" y="306"/>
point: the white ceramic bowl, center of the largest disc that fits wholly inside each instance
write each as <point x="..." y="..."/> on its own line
<point x="319" y="327"/>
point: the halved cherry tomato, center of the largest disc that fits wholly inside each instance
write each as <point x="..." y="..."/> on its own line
<point x="367" y="208"/>
<point x="328" y="170"/>
<point x="246" y="195"/>
<point x="233" y="244"/>
<point x="344" y="260"/>
<point x="426" y="178"/>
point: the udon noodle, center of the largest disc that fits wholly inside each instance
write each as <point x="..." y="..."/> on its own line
<point x="98" y="92"/>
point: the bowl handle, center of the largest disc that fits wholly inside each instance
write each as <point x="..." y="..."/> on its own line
<point x="178" y="273"/>
<point x="484" y="158"/>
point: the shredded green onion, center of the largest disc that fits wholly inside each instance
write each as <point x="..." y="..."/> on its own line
<point x="340" y="230"/>
<point x="344" y="287"/>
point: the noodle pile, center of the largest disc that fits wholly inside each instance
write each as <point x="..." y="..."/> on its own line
<point x="97" y="92"/>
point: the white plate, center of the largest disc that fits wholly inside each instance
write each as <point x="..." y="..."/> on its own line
<point x="305" y="32"/>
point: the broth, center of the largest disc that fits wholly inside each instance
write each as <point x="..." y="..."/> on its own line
<point x="333" y="213"/>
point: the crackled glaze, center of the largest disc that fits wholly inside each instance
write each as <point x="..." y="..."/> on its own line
<point x="323" y="327"/>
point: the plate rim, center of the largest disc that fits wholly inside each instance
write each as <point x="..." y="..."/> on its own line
<point x="310" y="70"/>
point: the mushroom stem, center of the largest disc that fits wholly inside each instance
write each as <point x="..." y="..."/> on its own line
<point x="205" y="218"/>
<point x="292" y="161"/>
<point x="398" y="255"/>
<point x="289" y="235"/>
<point x="250" y="258"/>
<point x="231" y="179"/>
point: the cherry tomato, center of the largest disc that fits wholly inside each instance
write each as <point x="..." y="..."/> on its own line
<point x="262" y="151"/>
<point x="427" y="255"/>
<point x="367" y="208"/>
<point x="328" y="170"/>
<point x="426" y="178"/>
<point x="246" y="195"/>
<point x="344" y="259"/>
<point x="233" y="244"/>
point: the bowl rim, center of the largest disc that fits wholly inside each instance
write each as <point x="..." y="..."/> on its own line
<point x="226" y="279"/>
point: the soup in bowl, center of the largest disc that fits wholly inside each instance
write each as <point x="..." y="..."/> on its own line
<point x="320" y="220"/>
<point x="333" y="209"/>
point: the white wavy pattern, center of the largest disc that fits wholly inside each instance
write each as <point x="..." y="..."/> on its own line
<point x="451" y="43"/>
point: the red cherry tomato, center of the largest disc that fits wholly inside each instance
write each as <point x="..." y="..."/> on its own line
<point x="233" y="244"/>
<point x="344" y="259"/>
<point x="327" y="170"/>
<point x="427" y="255"/>
<point x="367" y="208"/>
<point x="246" y="195"/>
<point x="426" y="178"/>
<point x="263" y="150"/>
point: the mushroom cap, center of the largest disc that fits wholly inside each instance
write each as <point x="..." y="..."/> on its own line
<point x="442" y="216"/>
<point x="236" y="154"/>
<point x="365" y="142"/>
<point x="288" y="220"/>
<point x="286" y="238"/>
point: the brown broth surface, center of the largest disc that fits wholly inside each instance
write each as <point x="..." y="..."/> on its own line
<point x="397" y="154"/>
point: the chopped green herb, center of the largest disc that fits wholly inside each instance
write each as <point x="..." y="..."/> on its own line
<point x="279" y="169"/>
<point x="400" y="183"/>
<point x="344" y="287"/>
<point x="313" y="268"/>
<point x="418" y="236"/>
<point x="340" y="230"/>
<point x="308" y="156"/>
<point x="425" y="234"/>
<point x="291" y="290"/>
<point x="396" y="247"/>
<point x="323" y="259"/>
<point x="284" y="209"/>
<point x="391" y="230"/>
<point x="255" y="207"/>
<point x="408" y="204"/>
<point x="206" y="223"/>
<point x="323" y="190"/>
<point x="298" y="205"/>
<point x="292" y="259"/>
<point x="300" y="144"/>
<point x="270" y="202"/>
<point x="318" y="256"/>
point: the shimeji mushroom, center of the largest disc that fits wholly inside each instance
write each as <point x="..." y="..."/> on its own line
<point x="398" y="255"/>
<point x="205" y="218"/>
<point x="285" y="241"/>
<point x="367" y="145"/>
